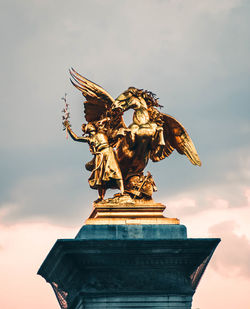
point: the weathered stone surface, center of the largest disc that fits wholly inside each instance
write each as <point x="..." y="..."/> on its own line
<point x="156" y="302"/>
<point x="127" y="267"/>
<point x="150" y="231"/>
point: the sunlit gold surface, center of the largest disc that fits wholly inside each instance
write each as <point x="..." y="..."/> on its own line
<point x="104" y="167"/>
<point x="128" y="213"/>
<point x="122" y="153"/>
<point x="138" y="221"/>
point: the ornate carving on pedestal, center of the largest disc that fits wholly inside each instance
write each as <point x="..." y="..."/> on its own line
<point x="85" y="270"/>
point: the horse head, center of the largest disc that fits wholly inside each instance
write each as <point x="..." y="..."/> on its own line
<point x="129" y="99"/>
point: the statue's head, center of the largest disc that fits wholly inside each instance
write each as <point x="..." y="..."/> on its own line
<point x="84" y="127"/>
<point x="90" y="128"/>
<point x="128" y="99"/>
<point x="135" y="98"/>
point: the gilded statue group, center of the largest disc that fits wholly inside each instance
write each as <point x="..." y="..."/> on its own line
<point x="121" y="153"/>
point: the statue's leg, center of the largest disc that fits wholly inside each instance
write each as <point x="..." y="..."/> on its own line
<point x="101" y="192"/>
<point x="159" y="130"/>
<point x="131" y="132"/>
<point x="130" y="137"/>
<point x="120" y="185"/>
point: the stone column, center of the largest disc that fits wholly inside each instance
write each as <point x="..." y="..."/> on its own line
<point x="127" y="266"/>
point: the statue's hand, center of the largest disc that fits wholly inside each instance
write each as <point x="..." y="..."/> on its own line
<point x="159" y="129"/>
<point x="66" y="124"/>
<point x="123" y="132"/>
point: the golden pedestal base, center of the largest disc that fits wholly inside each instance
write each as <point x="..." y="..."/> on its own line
<point x="146" y="212"/>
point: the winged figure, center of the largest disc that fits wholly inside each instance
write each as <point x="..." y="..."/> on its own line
<point x="152" y="135"/>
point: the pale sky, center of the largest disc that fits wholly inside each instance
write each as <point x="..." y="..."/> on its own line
<point x="194" y="54"/>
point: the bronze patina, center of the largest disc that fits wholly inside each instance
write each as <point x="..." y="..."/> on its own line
<point x="121" y="153"/>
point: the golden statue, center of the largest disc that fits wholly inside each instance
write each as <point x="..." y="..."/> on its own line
<point x="105" y="171"/>
<point x="121" y="153"/>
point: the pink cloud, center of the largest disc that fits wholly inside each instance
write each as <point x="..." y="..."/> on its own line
<point x="216" y="291"/>
<point x="224" y="285"/>
<point x="24" y="247"/>
<point x="233" y="256"/>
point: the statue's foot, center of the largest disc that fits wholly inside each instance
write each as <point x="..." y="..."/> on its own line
<point x="98" y="200"/>
<point x="120" y="194"/>
<point x="120" y="198"/>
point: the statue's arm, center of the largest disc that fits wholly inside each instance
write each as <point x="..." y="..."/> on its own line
<point x="74" y="136"/>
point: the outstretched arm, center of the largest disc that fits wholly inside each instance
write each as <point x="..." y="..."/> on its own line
<point x="73" y="135"/>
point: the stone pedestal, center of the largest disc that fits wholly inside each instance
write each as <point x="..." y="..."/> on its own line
<point x="127" y="266"/>
<point x="146" y="212"/>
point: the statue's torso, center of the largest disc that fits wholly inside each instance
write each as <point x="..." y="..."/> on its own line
<point x="98" y="141"/>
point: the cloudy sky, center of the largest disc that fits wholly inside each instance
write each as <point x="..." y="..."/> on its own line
<point x="194" y="54"/>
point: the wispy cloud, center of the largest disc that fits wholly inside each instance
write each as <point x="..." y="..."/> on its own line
<point x="233" y="257"/>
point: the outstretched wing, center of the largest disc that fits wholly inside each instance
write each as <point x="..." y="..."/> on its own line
<point x="98" y="105"/>
<point x="98" y="99"/>
<point x="175" y="137"/>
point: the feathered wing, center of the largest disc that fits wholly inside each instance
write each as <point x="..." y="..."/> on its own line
<point x="98" y="103"/>
<point x="175" y="137"/>
<point x="98" y="99"/>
